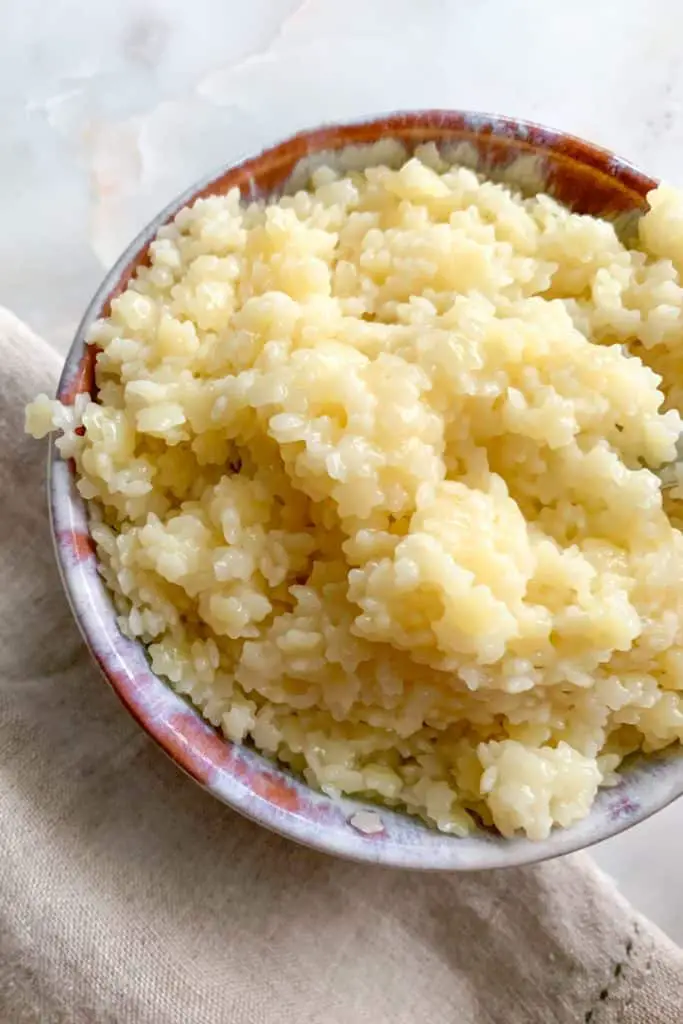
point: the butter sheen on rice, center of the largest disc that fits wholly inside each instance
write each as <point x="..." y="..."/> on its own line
<point x="370" y="474"/>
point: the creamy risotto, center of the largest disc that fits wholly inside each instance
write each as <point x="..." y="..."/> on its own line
<point x="370" y="474"/>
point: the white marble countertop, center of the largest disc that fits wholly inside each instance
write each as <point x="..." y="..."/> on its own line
<point x="109" y="109"/>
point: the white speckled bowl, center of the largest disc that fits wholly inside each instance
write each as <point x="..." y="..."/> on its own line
<point x="586" y="178"/>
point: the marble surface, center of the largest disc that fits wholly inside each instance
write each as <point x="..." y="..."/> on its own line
<point x="108" y="110"/>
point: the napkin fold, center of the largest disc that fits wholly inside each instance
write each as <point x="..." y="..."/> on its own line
<point x="129" y="895"/>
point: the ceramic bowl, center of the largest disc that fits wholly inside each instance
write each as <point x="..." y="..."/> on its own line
<point x="586" y="178"/>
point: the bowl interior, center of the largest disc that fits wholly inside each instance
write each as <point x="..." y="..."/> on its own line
<point x="588" y="180"/>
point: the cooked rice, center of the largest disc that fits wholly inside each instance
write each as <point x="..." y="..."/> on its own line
<point x="370" y="475"/>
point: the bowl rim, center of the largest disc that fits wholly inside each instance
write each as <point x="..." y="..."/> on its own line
<point x="245" y="780"/>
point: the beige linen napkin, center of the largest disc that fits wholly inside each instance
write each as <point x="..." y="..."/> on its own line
<point x="127" y="894"/>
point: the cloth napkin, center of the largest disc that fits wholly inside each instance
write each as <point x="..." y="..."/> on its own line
<point x="129" y="895"/>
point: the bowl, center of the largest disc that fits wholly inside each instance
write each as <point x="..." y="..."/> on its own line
<point x="588" y="180"/>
